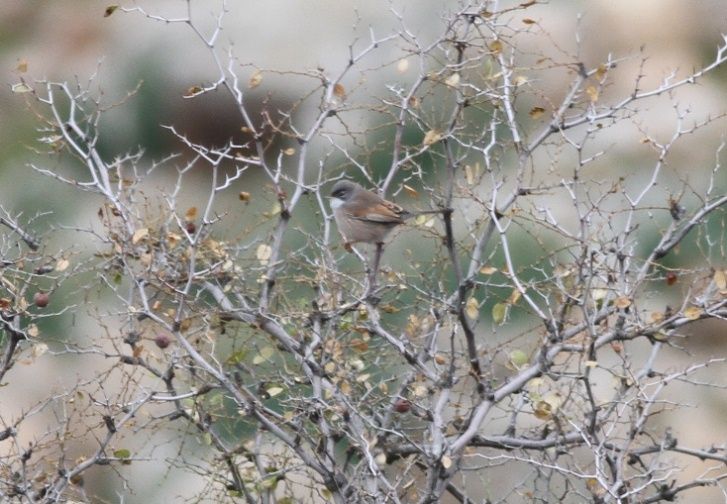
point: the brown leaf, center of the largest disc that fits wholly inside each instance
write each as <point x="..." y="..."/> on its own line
<point x="192" y="91"/>
<point x="110" y="10"/>
<point x="22" y="66"/>
<point x="190" y="214"/>
<point x="244" y="196"/>
<point x="622" y="302"/>
<point x="495" y="47"/>
<point x="359" y="345"/>
<point x="339" y="91"/>
<point x="529" y="21"/>
<point x="411" y="191"/>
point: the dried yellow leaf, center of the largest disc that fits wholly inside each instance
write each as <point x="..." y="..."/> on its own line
<point x="472" y="308"/>
<point x="543" y="410"/>
<point x="469" y="174"/>
<point x="39" y="349"/>
<point x="20" y="87"/>
<point x="62" y="264"/>
<point x="403" y="65"/>
<point x="289" y="151"/>
<point x="264" y="354"/>
<point x="452" y="80"/>
<point x="446" y="462"/>
<point x="263" y="253"/>
<point x="536" y="112"/>
<point x="592" y="93"/>
<point x="255" y="79"/>
<point x="22" y="66"/>
<point x="720" y="280"/>
<point x="432" y="136"/>
<point x="496" y="47"/>
<point x="190" y="214"/>
<point x="139" y="235"/>
<point x="32" y="331"/>
<point x="601" y="71"/>
<point x="598" y="294"/>
<point x="339" y="90"/>
<point x="419" y="390"/>
<point x="488" y="270"/>
<point x="273" y="391"/>
<point x="693" y="312"/>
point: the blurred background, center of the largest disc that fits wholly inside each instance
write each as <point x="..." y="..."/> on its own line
<point x="71" y="40"/>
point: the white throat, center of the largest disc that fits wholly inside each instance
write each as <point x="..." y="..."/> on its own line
<point x="336" y="203"/>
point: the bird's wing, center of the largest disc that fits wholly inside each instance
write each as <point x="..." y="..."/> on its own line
<point x="385" y="212"/>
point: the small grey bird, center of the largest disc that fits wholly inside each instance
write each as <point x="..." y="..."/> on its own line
<point x="363" y="216"/>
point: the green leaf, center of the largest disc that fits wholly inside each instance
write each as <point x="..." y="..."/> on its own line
<point x="518" y="358"/>
<point x="122" y="453"/>
<point x="21" y="87"/>
<point x="499" y="312"/>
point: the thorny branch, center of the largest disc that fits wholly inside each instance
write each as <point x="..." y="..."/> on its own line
<point x="529" y="288"/>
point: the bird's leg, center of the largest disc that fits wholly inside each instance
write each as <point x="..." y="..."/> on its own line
<point x="367" y="267"/>
<point x="374" y="271"/>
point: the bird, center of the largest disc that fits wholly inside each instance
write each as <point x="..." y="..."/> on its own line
<point x="363" y="216"/>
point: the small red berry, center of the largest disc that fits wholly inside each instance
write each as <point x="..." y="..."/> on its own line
<point x="402" y="406"/>
<point x="671" y="278"/>
<point x="162" y="340"/>
<point x="191" y="228"/>
<point x="41" y="299"/>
